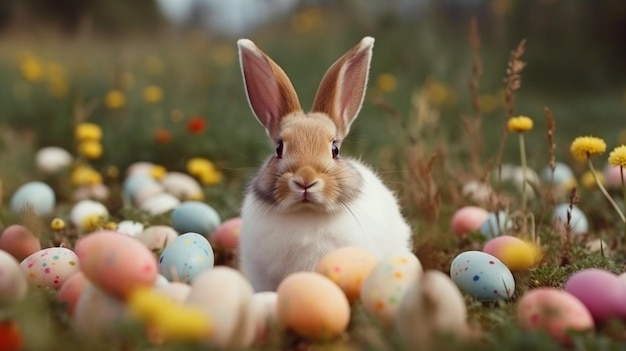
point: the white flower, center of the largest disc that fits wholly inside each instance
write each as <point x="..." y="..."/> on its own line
<point x="131" y="228"/>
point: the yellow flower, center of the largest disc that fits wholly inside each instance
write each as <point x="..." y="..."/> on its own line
<point x="171" y="320"/>
<point x="88" y="131"/>
<point x="588" y="182"/>
<point x="387" y="82"/>
<point x="91" y="149"/>
<point x="93" y="222"/>
<point x="520" y="124"/>
<point x="584" y="147"/>
<point x="617" y="157"/>
<point x="110" y="225"/>
<point x="83" y="175"/>
<point x="211" y="177"/>
<point x="115" y="99"/>
<point x="31" y="69"/>
<point x="158" y="172"/>
<point x="198" y="166"/>
<point x="57" y="224"/>
<point x="152" y="94"/>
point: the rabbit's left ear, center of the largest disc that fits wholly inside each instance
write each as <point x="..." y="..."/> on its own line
<point x="342" y="90"/>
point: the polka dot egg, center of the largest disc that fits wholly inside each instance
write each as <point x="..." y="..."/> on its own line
<point x="347" y="267"/>
<point x="50" y="267"/>
<point x="482" y="276"/>
<point x="186" y="257"/>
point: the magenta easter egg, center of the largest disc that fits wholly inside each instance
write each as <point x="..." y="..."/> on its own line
<point x="50" y="267"/>
<point x="468" y="219"/>
<point x="70" y="290"/>
<point x="554" y="311"/>
<point x="19" y="241"/>
<point x="227" y="234"/>
<point x="600" y="291"/>
<point x="115" y="262"/>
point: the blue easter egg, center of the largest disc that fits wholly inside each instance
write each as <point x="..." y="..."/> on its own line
<point x="578" y="222"/>
<point x="493" y="226"/>
<point x="482" y="276"/>
<point x="36" y="195"/>
<point x="196" y="217"/>
<point x="134" y="182"/>
<point x="186" y="257"/>
<point x="562" y="174"/>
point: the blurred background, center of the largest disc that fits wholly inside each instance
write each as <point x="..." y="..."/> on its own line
<point x="161" y="77"/>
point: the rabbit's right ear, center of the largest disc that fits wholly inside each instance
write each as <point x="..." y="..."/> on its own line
<point x="270" y="92"/>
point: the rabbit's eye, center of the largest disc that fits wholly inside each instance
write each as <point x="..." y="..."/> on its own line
<point x="279" y="149"/>
<point x="335" y="150"/>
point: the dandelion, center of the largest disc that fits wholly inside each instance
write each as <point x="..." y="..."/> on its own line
<point x="115" y="99"/>
<point x="31" y="69"/>
<point x="387" y="82"/>
<point x="520" y="124"/>
<point x="90" y="149"/>
<point x="196" y="125"/>
<point x="198" y="165"/>
<point x="211" y="177"/>
<point x="583" y="148"/>
<point x="162" y="136"/>
<point x="158" y="172"/>
<point x="152" y="94"/>
<point x="171" y="320"/>
<point x="57" y="224"/>
<point x="83" y="175"/>
<point x="87" y="131"/>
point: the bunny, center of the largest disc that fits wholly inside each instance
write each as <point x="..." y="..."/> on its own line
<point x="307" y="200"/>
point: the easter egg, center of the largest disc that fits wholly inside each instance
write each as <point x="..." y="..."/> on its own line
<point x="140" y="168"/>
<point x="312" y="306"/>
<point x="134" y="182"/>
<point x="157" y="237"/>
<point x="13" y="285"/>
<point x="131" y="228"/>
<point x="96" y="312"/>
<point x="553" y="311"/>
<point x="116" y="263"/>
<point x="600" y="291"/>
<point x="562" y="174"/>
<point x="85" y="210"/>
<point x="52" y="159"/>
<point x="515" y="253"/>
<point x="431" y="305"/>
<point x="477" y="191"/>
<point x="147" y="191"/>
<point x="19" y="241"/>
<point x="468" y="219"/>
<point x="97" y="191"/>
<point x="387" y="283"/>
<point x="186" y="257"/>
<point x="50" y="267"/>
<point x="182" y="185"/>
<point x="598" y="245"/>
<point x="196" y="217"/>
<point x="578" y="223"/>
<point x="495" y="224"/>
<point x="160" y="281"/>
<point x="264" y="311"/>
<point x="482" y="276"/>
<point x="71" y="290"/>
<point x="348" y="267"/>
<point x="159" y="204"/>
<point x="176" y="291"/>
<point x="224" y="295"/>
<point x="227" y="234"/>
<point x="36" y="196"/>
<point x="613" y="176"/>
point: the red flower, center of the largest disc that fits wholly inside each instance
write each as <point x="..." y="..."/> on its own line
<point x="196" y="125"/>
<point x="162" y="136"/>
<point x="10" y="336"/>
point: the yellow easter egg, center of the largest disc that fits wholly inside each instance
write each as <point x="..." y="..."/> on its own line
<point x="515" y="253"/>
<point x="348" y="267"/>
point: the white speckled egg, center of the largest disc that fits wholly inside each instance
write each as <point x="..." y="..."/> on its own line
<point x="578" y="223"/>
<point x="224" y="295"/>
<point x="186" y="257"/>
<point x="52" y="159"/>
<point x="35" y="195"/>
<point x="494" y="226"/>
<point x="50" y="267"/>
<point x="13" y="286"/>
<point x="85" y="209"/>
<point x="182" y="185"/>
<point x="482" y="276"/>
<point x="96" y="312"/>
<point x="195" y="216"/>
<point x="385" y="286"/>
<point x="159" y="204"/>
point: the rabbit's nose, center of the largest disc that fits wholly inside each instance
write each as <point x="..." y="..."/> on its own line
<point x="304" y="185"/>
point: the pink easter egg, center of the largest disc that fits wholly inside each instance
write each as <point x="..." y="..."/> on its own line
<point x="554" y="311"/>
<point x="19" y="241"/>
<point x="115" y="262"/>
<point x="50" y="267"/>
<point x="613" y="177"/>
<point x="227" y="234"/>
<point x="468" y="219"/>
<point x="70" y="290"/>
<point x="601" y="291"/>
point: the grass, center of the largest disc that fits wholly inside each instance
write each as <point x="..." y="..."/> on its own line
<point x="413" y="127"/>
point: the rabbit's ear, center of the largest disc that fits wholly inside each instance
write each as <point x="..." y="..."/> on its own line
<point x="270" y="93"/>
<point x="341" y="92"/>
